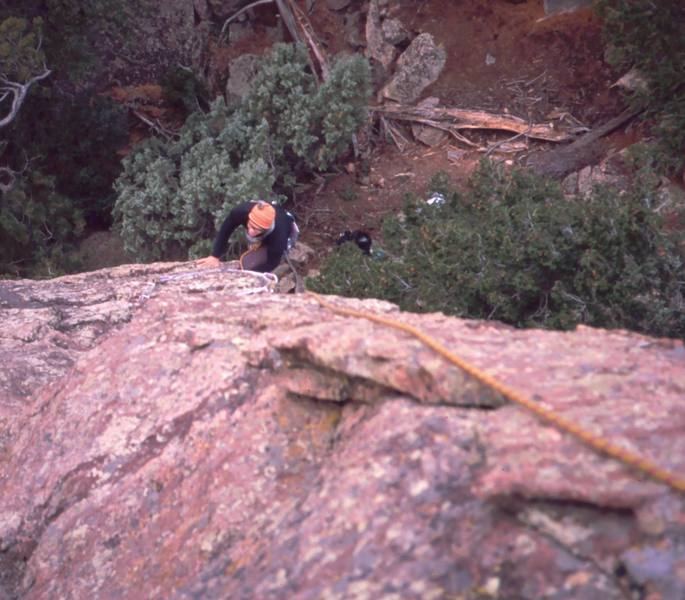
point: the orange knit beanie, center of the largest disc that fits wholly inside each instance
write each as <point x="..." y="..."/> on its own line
<point x="261" y="216"/>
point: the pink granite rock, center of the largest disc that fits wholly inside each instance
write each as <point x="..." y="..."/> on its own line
<point x="168" y="433"/>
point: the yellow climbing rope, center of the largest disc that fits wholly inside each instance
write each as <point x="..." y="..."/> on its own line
<point x="595" y="442"/>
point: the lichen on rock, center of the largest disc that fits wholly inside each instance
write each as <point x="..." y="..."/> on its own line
<point x="211" y="438"/>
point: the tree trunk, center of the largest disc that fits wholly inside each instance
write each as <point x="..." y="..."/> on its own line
<point x="586" y="150"/>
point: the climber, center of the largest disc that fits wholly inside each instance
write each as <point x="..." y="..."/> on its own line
<point x="271" y="232"/>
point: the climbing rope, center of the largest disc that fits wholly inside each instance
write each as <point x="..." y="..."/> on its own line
<point x="299" y="284"/>
<point x="269" y="280"/>
<point x="596" y="442"/>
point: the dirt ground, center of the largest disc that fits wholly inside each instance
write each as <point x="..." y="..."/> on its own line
<point x="541" y="66"/>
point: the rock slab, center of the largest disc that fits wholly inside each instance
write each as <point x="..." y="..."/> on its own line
<point x="201" y="437"/>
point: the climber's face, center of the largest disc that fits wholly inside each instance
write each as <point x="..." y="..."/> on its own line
<point x="253" y="231"/>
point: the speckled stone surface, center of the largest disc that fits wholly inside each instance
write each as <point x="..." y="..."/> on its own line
<point x="167" y="435"/>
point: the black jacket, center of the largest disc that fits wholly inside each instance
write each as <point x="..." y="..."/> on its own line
<point x="276" y="242"/>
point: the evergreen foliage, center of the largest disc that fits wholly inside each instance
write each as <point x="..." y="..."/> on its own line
<point x="20" y="54"/>
<point x="56" y="175"/>
<point x="650" y="36"/>
<point x="37" y="227"/>
<point x="84" y="167"/>
<point x="58" y="155"/>
<point x="172" y="195"/>
<point x="184" y="90"/>
<point x="514" y="249"/>
<point x="309" y="127"/>
<point x="70" y="28"/>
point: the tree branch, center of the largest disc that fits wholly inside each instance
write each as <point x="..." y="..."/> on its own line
<point x="586" y="150"/>
<point x="237" y="14"/>
<point x="156" y="126"/>
<point x="18" y="92"/>
<point x="302" y="31"/>
<point x="455" y="120"/>
<point x="12" y="176"/>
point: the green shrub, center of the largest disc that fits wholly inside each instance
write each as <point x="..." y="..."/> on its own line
<point x="173" y="194"/>
<point x="67" y="180"/>
<point x="183" y="89"/>
<point x="62" y="178"/>
<point x="310" y="127"/>
<point x="58" y="155"/>
<point x="84" y="165"/>
<point x="20" y="55"/>
<point x="71" y="29"/>
<point x="514" y="249"/>
<point x="649" y="36"/>
<point x="37" y="227"/>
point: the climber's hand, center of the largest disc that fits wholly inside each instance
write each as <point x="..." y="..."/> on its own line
<point x="208" y="262"/>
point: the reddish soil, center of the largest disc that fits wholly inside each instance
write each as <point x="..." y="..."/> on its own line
<point x="541" y="65"/>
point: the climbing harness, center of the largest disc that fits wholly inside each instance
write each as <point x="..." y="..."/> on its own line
<point x="257" y="253"/>
<point x="269" y="280"/>
<point x="253" y="256"/>
<point x="596" y="442"/>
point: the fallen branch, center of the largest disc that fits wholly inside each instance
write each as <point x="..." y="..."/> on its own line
<point x="607" y="128"/>
<point x="496" y="145"/>
<point x="289" y="20"/>
<point x="310" y="37"/>
<point x="400" y="140"/>
<point x="448" y="129"/>
<point x="454" y="120"/>
<point x="156" y="126"/>
<point x="585" y="151"/>
<point x="302" y="31"/>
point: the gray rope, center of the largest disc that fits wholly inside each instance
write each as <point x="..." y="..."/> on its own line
<point x="269" y="280"/>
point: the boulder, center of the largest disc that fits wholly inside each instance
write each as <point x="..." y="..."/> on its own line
<point x="202" y="10"/>
<point x="553" y="7"/>
<point x="239" y="30"/>
<point x="612" y="170"/>
<point x="300" y="254"/>
<point x="46" y="327"/>
<point x="242" y="71"/>
<point x="377" y="47"/>
<point x="632" y="81"/>
<point x="338" y="4"/>
<point x="190" y="434"/>
<point x="175" y="32"/>
<point x="417" y="68"/>
<point x="671" y="197"/>
<point x="353" y="27"/>
<point x="394" y="31"/>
